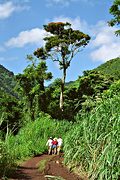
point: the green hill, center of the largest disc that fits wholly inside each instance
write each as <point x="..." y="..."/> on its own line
<point x="9" y="109"/>
<point x="111" y="68"/>
<point x="7" y="82"/>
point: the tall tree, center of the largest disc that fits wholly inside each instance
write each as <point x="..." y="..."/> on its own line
<point x="62" y="45"/>
<point x="31" y="83"/>
<point x="115" y="11"/>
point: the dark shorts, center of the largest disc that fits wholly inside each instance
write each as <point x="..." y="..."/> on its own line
<point x="54" y="146"/>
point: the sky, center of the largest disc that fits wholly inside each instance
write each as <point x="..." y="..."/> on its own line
<point x="21" y="32"/>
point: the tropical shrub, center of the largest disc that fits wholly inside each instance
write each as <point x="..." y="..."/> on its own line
<point x="7" y="160"/>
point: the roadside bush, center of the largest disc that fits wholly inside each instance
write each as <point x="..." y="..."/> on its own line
<point x="7" y="160"/>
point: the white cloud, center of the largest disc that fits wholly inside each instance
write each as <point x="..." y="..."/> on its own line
<point x="36" y="35"/>
<point x="33" y="36"/>
<point x="105" y="45"/>
<point x="8" y="8"/>
<point x="59" y="2"/>
<point x="56" y="2"/>
<point x="65" y="3"/>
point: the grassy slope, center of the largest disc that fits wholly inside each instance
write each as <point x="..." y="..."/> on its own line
<point x="111" y="67"/>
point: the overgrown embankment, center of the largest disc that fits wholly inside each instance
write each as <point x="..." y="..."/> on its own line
<point x="92" y="146"/>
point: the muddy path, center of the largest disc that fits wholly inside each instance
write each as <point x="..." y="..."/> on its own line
<point x="53" y="169"/>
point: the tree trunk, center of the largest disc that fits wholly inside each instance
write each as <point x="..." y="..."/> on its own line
<point x="62" y="89"/>
<point x="30" y="107"/>
<point x="42" y="97"/>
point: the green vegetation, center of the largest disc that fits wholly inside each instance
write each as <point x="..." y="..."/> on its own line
<point x="31" y="87"/>
<point x="7" y="81"/>
<point x="7" y="160"/>
<point x="89" y="124"/>
<point x="111" y="68"/>
<point x="10" y="114"/>
<point x="42" y="164"/>
<point x="76" y="94"/>
<point x="61" y="46"/>
<point x="115" y="11"/>
<point x="93" y="143"/>
<point x="30" y="140"/>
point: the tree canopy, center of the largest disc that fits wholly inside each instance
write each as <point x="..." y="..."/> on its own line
<point x="61" y="45"/>
<point x="31" y="85"/>
<point x="115" y="11"/>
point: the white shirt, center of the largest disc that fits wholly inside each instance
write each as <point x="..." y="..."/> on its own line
<point x="49" y="142"/>
<point x="60" y="141"/>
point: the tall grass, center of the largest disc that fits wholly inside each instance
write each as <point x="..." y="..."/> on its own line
<point x="93" y="144"/>
<point x="7" y="160"/>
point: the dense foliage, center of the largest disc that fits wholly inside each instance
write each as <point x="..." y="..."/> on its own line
<point x="93" y="143"/>
<point x="30" y="140"/>
<point x="31" y="87"/>
<point x="115" y="11"/>
<point x="10" y="115"/>
<point x="61" y="45"/>
<point x="7" y="82"/>
<point x="85" y="88"/>
<point x="111" y="68"/>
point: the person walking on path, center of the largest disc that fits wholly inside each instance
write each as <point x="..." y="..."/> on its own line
<point x="59" y="145"/>
<point x="54" y="146"/>
<point x="49" y="144"/>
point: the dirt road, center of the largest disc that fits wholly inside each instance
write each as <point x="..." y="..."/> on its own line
<point x="53" y="170"/>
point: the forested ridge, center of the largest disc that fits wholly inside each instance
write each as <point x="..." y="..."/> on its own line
<point x="9" y="111"/>
<point x="7" y="81"/>
<point x="111" y="67"/>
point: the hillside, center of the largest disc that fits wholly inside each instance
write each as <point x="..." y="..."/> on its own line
<point x="7" y="82"/>
<point x="111" y="68"/>
<point x="9" y="109"/>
